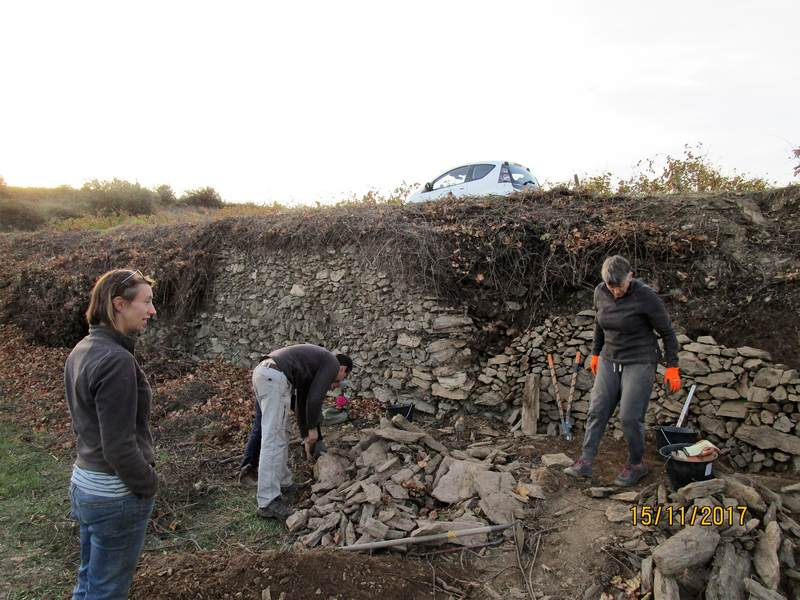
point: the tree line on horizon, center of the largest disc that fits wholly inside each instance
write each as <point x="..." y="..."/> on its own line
<point x="31" y="208"/>
<point x="101" y="204"/>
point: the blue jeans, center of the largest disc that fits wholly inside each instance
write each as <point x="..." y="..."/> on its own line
<point x="111" y="536"/>
<point x="253" y="447"/>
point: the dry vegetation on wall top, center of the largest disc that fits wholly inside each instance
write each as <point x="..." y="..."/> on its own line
<point x="725" y="263"/>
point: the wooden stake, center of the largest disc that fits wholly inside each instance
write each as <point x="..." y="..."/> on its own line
<point x="530" y="405"/>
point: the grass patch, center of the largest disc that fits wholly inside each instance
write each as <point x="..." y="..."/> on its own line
<point x="223" y="517"/>
<point x="201" y="506"/>
<point x="103" y="222"/>
<point x="38" y="544"/>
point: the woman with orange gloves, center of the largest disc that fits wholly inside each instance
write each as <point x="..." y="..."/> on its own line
<point x="624" y="357"/>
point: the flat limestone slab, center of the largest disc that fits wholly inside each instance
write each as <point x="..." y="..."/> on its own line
<point x="556" y="460"/>
<point x="767" y="438"/>
<point x="459" y="482"/>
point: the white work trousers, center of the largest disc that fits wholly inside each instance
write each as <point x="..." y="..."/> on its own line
<point x="274" y="394"/>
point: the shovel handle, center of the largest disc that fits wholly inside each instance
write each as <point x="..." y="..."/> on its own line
<point x="557" y="392"/>
<point x="686" y="405"/>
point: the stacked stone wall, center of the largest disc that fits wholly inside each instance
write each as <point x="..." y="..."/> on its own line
<point x="409" y="347"/>
<point x="743" y="401"/>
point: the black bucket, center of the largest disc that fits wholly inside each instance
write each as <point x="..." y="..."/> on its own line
<point x="680" y="472"/>
<point x="666" y="435"/>
<point x="407" y="410"/>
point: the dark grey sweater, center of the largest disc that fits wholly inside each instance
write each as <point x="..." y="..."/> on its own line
<point x="311" y="370"/>
<point x="624" y="329"/>
<point x="109" y="400"/>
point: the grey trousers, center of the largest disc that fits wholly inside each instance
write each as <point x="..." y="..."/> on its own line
<point x="274" y="395"/>
<point x="629" y="386"/>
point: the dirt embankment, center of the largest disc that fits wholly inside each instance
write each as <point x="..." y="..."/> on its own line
<point x="727" y="265"/>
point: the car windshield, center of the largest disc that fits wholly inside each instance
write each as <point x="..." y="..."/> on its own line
<point x="520" y="175"/>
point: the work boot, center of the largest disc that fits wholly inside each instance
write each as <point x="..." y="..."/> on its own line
<point x="581" y="468"/>
<point x="277" y="509"/>
<point x="248" y="476"/>
<point x="631" y="474"/>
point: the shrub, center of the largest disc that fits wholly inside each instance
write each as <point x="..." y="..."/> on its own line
<point x="59" y="212"/>
<point x="166" y="195"/>
<point x="599" y="185"/>
<point x="20" y="216"/>
<point x="796" y="153"/>
<point x="692" y="172"/>
<point x="374" y="197"/>
<point x="206" y="197"/>
<point x="119" y="196"/>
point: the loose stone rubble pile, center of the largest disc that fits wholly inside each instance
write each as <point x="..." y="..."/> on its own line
<point x="398" y="481"/>
<point x="726" y="537"/>
<point x="743" y="401"/>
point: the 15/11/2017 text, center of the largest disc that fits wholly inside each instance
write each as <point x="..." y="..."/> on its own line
<point x="707" y="516"/>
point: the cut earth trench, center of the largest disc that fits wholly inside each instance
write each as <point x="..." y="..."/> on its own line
<point x="570" y="559"/>
<point x="576" y="553"/>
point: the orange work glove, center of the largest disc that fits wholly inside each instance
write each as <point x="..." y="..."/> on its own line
<point x="672" y="377"/>
<point x="593" y="364"/>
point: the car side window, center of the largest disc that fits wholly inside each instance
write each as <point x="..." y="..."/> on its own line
<point x="480" y="171"/>
<point x="453" y="177"/>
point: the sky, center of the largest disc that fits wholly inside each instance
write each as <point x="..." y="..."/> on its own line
<point x="299" y="102"/>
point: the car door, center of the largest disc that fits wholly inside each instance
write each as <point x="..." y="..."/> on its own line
<point x="451" y="182"/>
<point x="479" y="179"/>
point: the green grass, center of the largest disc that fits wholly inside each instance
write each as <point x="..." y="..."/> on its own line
<point x="38" y="544"/>
<point x="201" y="506"/>
<point x="225" y="517"/>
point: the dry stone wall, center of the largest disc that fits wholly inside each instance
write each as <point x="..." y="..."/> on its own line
<point x="407" y="347"/>
<point x="743" y="401"/>
<point x="411" y="348"/>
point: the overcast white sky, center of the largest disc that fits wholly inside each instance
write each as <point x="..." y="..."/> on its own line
<point x="305" y="101"/>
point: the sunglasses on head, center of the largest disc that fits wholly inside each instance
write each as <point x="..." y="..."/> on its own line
<point x="133" y="274"/>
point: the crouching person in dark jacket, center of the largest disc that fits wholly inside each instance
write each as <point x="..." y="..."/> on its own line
<point x="624" y="357"/>
<point x="295" y="378"/>
<point x="113" y="482"/>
